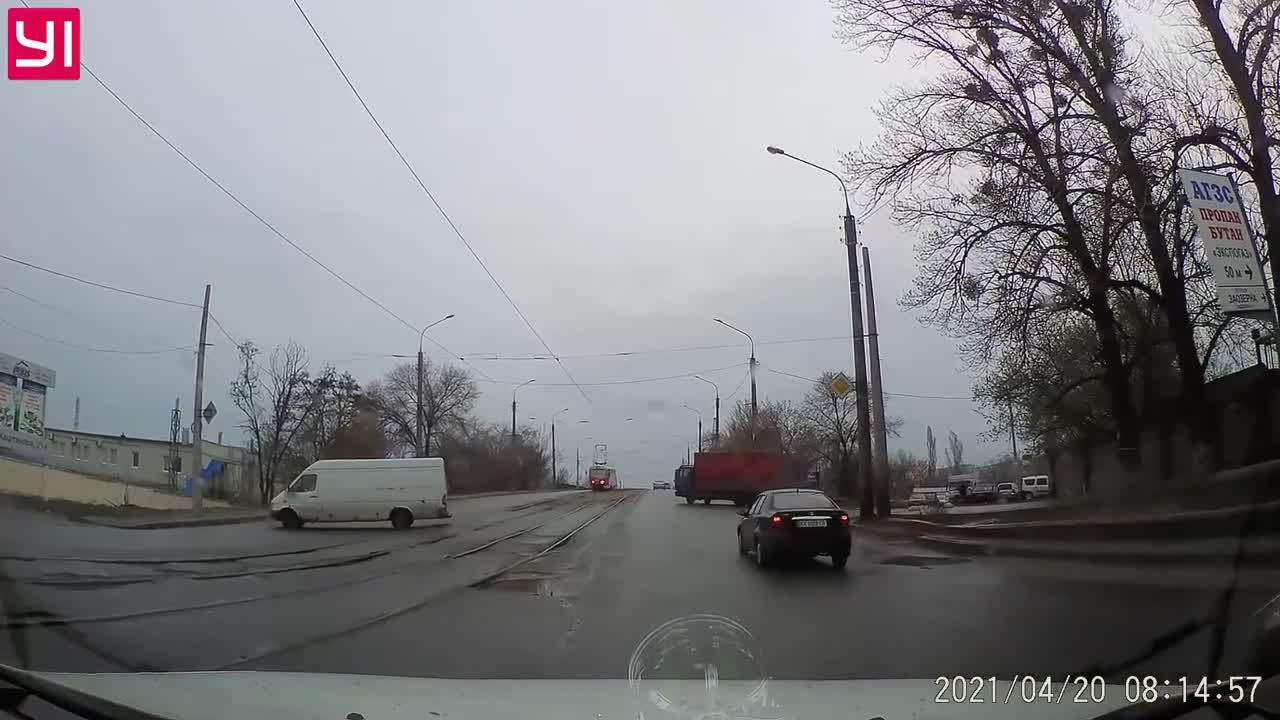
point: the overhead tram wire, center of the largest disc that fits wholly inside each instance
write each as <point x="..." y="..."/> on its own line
<point x="635" y="381"/>
<point x="886" y="392"/>
<point x="263" y="221"/>
<point x="657" y="351"/>
<point x="440" y="208"/>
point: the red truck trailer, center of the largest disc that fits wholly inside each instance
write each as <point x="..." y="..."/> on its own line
<point x="738" y="476"/>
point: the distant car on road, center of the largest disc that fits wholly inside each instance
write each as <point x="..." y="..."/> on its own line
<point x="1008" y="492"/>
<point x="796" y="523"/>
<point x="661" y="484"/>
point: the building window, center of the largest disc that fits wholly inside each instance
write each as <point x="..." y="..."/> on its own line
<point x="135" y="458"/>
<point x="113" y="456"/>
<point x="102" y="456"/>
<point x="166" y="463"/>
<point x="177" y="464"/>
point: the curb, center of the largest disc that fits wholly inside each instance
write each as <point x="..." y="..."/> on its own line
<point x="1259" y="559"/>
<point x="1217" y="523"/>
<point x="127" y="524"/>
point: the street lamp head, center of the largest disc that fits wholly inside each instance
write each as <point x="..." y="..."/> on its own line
<point x="450" y="316"/>
<point x="776" y="150"/>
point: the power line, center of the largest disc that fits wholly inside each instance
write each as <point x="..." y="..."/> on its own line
<point x="437" y="204"/>
<point x="234" y="198"/>
<point x="890" y="394"/>
<point x="741" y="382"/>
<point x="102" y="286"/>
<point x="681" y="376"/>
<point x="87" y="348"/>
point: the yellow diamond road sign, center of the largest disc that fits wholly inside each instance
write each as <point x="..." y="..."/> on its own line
<point x="840" y="384"/>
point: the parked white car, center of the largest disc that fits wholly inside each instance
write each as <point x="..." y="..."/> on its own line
<point x="400" y="490"/>
<point x="1035" y="486"/>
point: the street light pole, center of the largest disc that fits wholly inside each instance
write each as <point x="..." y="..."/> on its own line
<point x="553" y="444"/>
<point x="752" y="370"/>
<point x="513" y="406"/>
<point x="866" y="508"/>
<point x="420" y="444"/>
<point x="699" y="414"/>
<point x="716" y="431"/>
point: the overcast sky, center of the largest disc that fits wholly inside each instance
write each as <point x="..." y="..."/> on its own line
<point x="606" y="160"/>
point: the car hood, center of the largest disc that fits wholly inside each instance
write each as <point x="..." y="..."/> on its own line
<point x="277" y="695"/>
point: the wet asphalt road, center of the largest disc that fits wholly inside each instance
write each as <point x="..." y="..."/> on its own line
<point x="434" y="601"/>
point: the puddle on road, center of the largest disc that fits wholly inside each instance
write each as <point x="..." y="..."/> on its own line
<point x="539" y="584"/>
<point x="922" y="561"/>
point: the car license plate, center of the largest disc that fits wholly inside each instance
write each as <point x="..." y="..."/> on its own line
<point x="811" y="523"/>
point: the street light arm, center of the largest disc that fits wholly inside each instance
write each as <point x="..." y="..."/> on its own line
<point x="712" y="384"/>
<point x="526" y="382"/>
<point x="744" y="334"/>
<point x="423" y="334"/>
<point x="843" y="186"/>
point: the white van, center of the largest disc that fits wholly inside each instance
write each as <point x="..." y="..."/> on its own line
<point x="400" y="490"/>
<point x="1034" y="486"/>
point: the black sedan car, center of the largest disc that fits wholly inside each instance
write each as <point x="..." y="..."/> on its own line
<point x="794" y="523"/>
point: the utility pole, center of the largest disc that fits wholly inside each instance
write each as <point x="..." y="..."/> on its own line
<point x="197" y="418"/>
<point x="577" y="466"/>
<point x="175" y="435"/>
<point x="75" y="423"/>
<point x="553" y="453"/>
<point x="752" y="371"/>
<point x="716" y="431"/>
<point x="866" y="508"/>
<point x="883" y="506"/>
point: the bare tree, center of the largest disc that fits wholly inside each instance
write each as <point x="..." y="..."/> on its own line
<point x="275" y="407"/>
<point x="931" y="451"/>
<point x="449" y="393"/>
<point x="955" y="453"/>
<point x="335" y="401"/>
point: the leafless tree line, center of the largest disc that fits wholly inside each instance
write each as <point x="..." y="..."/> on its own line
<point x="1038" y="166"/>
<point x="294" y="416"/>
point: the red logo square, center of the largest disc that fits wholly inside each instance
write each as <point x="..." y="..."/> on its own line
<point x="44" y="43"/>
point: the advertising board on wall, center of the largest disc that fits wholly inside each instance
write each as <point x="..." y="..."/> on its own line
<point x="24" y="387"/>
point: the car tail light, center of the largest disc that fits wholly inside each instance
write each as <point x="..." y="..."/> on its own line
<point x="844" y="518"/>
<point x="776" y="519"/>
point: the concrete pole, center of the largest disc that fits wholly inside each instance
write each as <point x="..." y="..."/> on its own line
<point x="420" y="444"/>
<point x="553" y="453"/>
<point x="197" y="424"/>
<point x="717" y="418"/>
<point x="882" y="431"/>
<point x="866" y="509"/>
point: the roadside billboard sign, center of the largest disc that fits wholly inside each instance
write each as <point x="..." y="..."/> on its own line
<point x="31" y="410"/>
<point x="8" y="401"/>
<point x="1224" y="232"/>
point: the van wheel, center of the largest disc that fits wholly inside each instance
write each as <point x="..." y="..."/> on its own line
<point x="706" y="501"/>
<point x="290" y="520"/>
<point x="401" y="519"/>
<point x="689" y="500"/>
